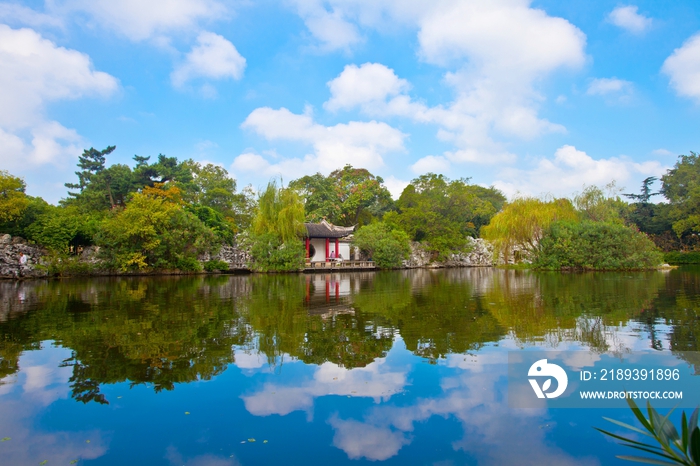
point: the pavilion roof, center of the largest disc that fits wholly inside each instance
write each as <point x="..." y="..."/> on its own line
<point x="325" y="229"/>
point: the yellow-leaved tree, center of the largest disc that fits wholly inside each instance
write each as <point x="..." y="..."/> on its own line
<point x="13" y="201"/>
<point x="523" y="221"/>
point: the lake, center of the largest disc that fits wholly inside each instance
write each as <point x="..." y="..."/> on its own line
<point x="402" y="367"/>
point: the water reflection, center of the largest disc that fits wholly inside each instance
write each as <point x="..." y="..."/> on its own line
<point x="367" y="359"/>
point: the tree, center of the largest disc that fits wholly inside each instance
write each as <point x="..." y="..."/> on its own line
<point x="591" y="245"/>
<point x="92" y="162"/>
<point x="276" y="230"/>
<point x="348" y="196"/>
<point x="442" y="213"/>
<point x="523" y="223"/>
<point x="681" y="186"/>
<point x="387" y="247"/>
<point x="280" y="212"/>
<point x="155" y="230"/>
<point x="13" y="200"/>
<point x="594" y="205"/>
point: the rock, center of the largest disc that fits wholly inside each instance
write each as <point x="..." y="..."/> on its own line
<point x="10" y="249"/>
<point x="480" y="255"/>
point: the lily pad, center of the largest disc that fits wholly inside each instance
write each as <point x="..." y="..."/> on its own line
<point x="264" y="441"/>
<point x="87" y="441"/>
<point x="251" y="440"/>
<point x="187" y="412"/>
<point x="5" y="439"/>
<point x="74" y="461"/>
<point x="44" y="462"/>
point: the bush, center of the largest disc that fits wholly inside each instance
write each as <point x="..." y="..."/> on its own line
<point x="269" y="254"/>
<point x="153" y="232"/>
<point x="595" y="246"/>
<point x="386" y="247"/>
<point x="211" y="266"/>
<point x="188" y="264"/>
<point x="680" y="257"/>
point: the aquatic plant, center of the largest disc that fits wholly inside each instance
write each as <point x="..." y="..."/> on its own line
<point x="675" y="448"/>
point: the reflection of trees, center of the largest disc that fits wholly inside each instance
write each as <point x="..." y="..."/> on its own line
<point x="678" y="306"/>
<point x="159" y="331"/>
<point x="436" y="318"/>
<point x="556" y="307"/>
<point x="276" y="309"/>
<point x="164" y="331"/>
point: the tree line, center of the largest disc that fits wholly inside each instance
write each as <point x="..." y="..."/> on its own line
<point x="165" y="213"/>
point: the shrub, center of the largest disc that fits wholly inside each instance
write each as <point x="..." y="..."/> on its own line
<point x="211" y="266"/>
<point x="269" y="254"/>
<point x="595" y="246"/>
<point x="386" y="247"/>
<point x="680" y="257"/>
<point x="188" y="264"/>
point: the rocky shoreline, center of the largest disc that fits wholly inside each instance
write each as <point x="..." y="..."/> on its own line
<point x="37" y="265"/>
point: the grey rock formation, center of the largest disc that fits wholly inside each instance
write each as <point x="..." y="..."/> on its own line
<point x="10" y="249"/>
<point x="480" y="255"/>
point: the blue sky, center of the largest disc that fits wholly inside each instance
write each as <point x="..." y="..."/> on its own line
<point x="534" y="97"/>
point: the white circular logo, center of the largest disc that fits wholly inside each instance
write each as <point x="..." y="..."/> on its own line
<point x="542" y="368"/>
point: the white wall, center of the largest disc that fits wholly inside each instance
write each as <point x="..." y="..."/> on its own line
<point x="320" y="245"/>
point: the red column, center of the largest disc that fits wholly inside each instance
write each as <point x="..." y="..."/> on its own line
<point x="337" y="290"/>
<point x="307" y="247"/>
<point x="328" y="290"/>
<point x="328" y="247"/>
<point x="337" y="249"/>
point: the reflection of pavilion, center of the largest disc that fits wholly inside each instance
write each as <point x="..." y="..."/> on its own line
<point x="329" y="293"/>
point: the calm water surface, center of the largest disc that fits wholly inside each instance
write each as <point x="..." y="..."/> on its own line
<point x="395" y="367"/>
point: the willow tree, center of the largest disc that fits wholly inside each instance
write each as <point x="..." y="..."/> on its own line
<point x="523" y="222"/>
<point x="276" y="230"/>
<point x="13" y="201"/>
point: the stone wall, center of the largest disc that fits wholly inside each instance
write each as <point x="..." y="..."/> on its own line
<point x="480" y="255"/>
<point x="236" y="257"/>
<point x="10" y="248"/>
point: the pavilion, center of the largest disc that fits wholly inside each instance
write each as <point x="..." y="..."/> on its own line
<point x="325" y="241"/>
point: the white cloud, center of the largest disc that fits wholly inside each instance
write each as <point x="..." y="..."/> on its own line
<point x="497" y="52"/>
<point x="368" y="85"/>
<point x="627" y="18"/>
<point x="500" y="35"/>
<point x="570" y="170"/>
<point x="329" y="28"/>
<point x="376" y="381"/>
<point x="13" y="13"/>
<point x="683" y="68"/>
<point x="33" y="73"/>
<point x="213" y="57"/>
<point x="604" y="86"/>
<point x="395" y="186"/>
<point x="664" y="152"/>
<point x="361" y="440"/>
<point x="361" y="144"/>
<point x="139" y="20"/>
<point x="431" y="163"/>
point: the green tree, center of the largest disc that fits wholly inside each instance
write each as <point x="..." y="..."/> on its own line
<point x="348" y="196"/>
<point x="594" y="205"/>
<point x="681" y="186"/>
<point x="276" y="230"/>
<point x="61" y="228"/>
<point x="18" y="226"/>
<point x="443" y="213"/>
<point x="13" y="200"/>
<point x="155" y="230"/>
<point x="595" y="246"/>
<point x="524" y="221"/>
<point x="387" y="247"/>
<point x="280" y="212"/>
